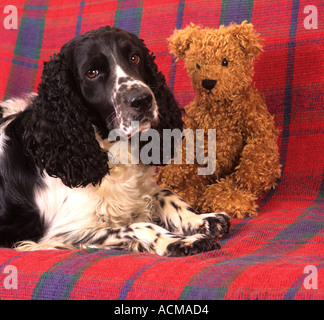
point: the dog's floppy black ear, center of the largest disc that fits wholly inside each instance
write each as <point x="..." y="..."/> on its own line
<point x="59" y="135"/>
<point x="170" y="115"/>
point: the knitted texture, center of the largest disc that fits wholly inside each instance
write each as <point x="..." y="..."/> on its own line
<point x="262" y="257"/>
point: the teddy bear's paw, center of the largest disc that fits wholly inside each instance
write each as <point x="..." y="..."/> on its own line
<point x="244" y="205"/>
<point x="226" y="196"/>
<point x="245" y="208"/>
<point x="215" y="224"/>
<point x="243" y="212"/>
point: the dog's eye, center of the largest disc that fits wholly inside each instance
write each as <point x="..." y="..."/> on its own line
<point x="92" y="73"/>
<point x="198" y="66"/>
<point x="225" y="62"/>
<point x="134" y="59"/>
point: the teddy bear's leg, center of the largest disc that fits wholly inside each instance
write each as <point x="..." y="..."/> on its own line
<point x="237" y="193"/>
<point x="227" y="196"/>
<point x="259" y="168"/>
<point x="257" y="171"/>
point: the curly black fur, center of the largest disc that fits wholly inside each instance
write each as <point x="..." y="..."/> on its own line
<point x="60" y="133"/>
<point x="170" y="114"/>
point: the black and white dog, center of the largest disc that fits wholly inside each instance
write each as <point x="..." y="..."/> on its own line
<point x="58" y="188"/>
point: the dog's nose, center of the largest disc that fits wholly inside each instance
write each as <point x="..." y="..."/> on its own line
<point x="143" y="101"/>
<point x="208" y="84"/>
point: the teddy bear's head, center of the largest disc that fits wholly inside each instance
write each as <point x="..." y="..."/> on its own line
<point x="218" y="61"/>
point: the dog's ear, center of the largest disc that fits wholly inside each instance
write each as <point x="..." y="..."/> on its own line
<point x="170" y="115"/>
<point x="59" y="135"/>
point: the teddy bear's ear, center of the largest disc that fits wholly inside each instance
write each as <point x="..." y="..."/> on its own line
<point x="248" y="38"/>
<point x="180" y="40"/>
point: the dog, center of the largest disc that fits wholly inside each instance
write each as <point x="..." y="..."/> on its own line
<point x="58" y="185"/>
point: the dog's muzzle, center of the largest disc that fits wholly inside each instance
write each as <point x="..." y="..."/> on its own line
<point x="135" y="102"/>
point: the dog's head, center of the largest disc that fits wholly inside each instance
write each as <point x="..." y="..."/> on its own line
<point x="113" y="73"/>
<point x="99" y="81"/>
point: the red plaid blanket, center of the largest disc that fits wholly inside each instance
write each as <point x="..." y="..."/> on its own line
<point x="277" y="255"/>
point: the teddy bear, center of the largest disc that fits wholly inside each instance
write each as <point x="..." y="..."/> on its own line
<point x="219" y="63"/>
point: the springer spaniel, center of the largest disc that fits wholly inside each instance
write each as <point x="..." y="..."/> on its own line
<point x="58" y="187"/>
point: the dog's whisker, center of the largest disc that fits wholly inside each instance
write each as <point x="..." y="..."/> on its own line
<point x="109" y="122"/>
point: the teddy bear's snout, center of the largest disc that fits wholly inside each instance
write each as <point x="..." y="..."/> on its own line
<point x="208" y="84"/>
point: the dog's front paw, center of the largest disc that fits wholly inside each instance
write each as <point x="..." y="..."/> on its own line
<point x="215" y="224"/>
<point x="192" y="245"/>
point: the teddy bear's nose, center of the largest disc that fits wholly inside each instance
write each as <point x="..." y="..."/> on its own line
<point x="208" y="84"/>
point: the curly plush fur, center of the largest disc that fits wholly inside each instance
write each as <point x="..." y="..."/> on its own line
<point x="220" y="65"/>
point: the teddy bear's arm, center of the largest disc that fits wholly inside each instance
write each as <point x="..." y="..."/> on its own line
<point x="183" y="179"/>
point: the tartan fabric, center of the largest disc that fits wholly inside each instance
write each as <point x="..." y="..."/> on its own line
<point x="262" y="257"/>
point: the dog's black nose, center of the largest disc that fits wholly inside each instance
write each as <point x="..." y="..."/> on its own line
<point x="143" y="101"/>
<point x="208" y="84"/>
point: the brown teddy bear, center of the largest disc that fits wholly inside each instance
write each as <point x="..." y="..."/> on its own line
<point x="220" y="65"/>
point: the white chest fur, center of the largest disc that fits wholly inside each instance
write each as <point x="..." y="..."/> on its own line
<point x="123" y="197"/>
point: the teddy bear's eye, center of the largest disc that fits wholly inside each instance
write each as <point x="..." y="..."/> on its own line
<point x="225" y="62"/>
<point x="198" y="66"/>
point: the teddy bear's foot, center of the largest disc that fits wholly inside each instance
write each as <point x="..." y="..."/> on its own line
<point x="235" y="202"/>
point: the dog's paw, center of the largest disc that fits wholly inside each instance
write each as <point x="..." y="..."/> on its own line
<point x="215" y="224"/>
<point x="192" y="245"/>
